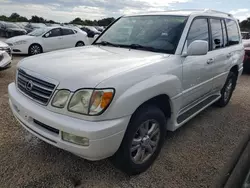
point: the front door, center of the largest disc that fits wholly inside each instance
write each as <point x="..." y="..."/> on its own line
<point x="52" y="40"/>
<point x="197" y="70"/>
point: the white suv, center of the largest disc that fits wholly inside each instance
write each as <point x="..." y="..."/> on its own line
<point x="147" y="73"/>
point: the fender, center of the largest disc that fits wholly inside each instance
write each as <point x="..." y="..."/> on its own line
<point x="134" y="96"/>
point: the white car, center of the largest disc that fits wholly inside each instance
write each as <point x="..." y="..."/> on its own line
<point x="119" y="96"/>
<point x="5" y="55"/>
<point x="47" y="39"/>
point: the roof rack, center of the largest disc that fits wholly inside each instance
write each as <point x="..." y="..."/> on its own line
<point x="215" y="11"/>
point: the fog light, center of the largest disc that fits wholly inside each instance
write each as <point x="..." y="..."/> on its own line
<point x="75" y="139"/>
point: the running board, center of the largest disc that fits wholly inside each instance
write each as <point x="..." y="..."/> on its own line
<point x="196" y="109"/>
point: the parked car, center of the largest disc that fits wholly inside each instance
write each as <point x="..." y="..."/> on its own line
<point x="92" y="33"/>
<point x="246" y="63"/>
<point x="5" y="56"/>
<point x="245" y="35"/>
<point x="32" y="26"/>
<point x="118" y="97"/>
<point x="100" y="28"/>
<point x="5" y="47"/>
<point x="9" y="29"/>
<point x="47" y="39"/>
<point x="21" y="24"/>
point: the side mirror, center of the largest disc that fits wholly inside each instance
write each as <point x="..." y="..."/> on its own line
<point x="197" y="47"/>
<point x="46" y="35"/>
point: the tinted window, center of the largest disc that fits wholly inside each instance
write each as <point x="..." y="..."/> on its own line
<point x="217" y="35"/>
<point x="54" y="32"/>
<point x="233" y="32"/>
<point x="67" y="32"/>
<point x="198" y="31"/>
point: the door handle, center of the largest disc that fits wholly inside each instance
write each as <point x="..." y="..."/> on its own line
<point x="229" y="55"/>
<point x="60" y="38"/>
<point x="210" y="61"/>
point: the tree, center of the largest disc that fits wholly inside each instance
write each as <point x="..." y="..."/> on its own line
<point x="77" y="21"/>
<point x="37" y="19"/>
<point x="14" y="16"/>
<point x="105" y="21"/>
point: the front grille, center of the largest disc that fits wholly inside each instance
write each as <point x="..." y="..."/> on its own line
<point x="8" y="51"/>
<point x="37" y="89"/>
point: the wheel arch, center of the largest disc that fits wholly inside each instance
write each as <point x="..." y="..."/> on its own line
<point x="80" y="41"/>
<point x="235" y="70"/>
<point x="35" y="44"/>
<point x="161" y="101"/>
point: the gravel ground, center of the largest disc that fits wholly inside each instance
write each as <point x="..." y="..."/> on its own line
<point x="191" y="157"/>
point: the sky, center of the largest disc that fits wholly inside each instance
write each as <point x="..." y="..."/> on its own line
<point x="67" y="10"/>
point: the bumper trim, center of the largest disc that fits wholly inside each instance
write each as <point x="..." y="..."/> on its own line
<point x="31" y="130"/>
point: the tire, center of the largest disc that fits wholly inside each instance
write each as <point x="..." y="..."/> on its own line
<point x="127" y="160"/>
<point x="80" y="44"/>
<point x="35" y="49"/>
<point x="227" y="90"/>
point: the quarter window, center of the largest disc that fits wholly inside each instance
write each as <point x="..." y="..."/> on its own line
<point x="198" y="31"/>
<point x="233" y="32"/>
<point x="217" y="35"/>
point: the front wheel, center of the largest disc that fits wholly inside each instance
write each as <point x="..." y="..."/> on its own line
<point x="142" y="142"/>
<point x="35" y="49"/>
<point x="227" y="90"/>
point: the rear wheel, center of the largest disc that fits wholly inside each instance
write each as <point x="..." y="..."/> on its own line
<point x="227" y="90"/>
<point x="35" y="49"/>
<point x="79" y="44"/>
<point x="142" y="142"/>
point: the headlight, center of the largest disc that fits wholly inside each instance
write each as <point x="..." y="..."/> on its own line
<point x="61" y="98"/>
<point x="91" y="102"/>
<point x="20" y="42"/>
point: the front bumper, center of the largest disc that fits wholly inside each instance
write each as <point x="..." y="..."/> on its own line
<point x="6" y="60"/>
<point x="104" y="137"/>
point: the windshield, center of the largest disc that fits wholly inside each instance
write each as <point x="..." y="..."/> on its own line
<point x="11" y="25"/>
<point x="38" y="32"/>
<point x="152" y="33"/>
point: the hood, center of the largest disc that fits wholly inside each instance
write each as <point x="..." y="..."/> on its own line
<point x="86" y="67"/>
<point x="18" y="38"/>
<point x="2" y="44"/>
<point x="16" y="29"/>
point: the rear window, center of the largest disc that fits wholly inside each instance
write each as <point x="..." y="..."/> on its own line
<point x="67" y="32"/>
<point x="217" y="34"/>
<point x="233" y="32"/>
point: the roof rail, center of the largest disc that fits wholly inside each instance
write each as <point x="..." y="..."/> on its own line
<point x="216" y="11"/>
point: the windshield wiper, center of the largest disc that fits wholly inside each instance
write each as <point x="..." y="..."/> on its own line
<point x="106" y="43"/>
<point x="138" y="46"/>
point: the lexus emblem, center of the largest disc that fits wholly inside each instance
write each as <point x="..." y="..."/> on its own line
<point x="29" y="85"/>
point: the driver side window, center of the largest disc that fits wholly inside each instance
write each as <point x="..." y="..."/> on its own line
<point x="198" y="31"/>
<point x="53" y="33"/>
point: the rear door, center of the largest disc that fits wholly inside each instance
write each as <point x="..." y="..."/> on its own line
<point x="52" y="40"/>
<point x="220" y="61"/>
<point x="228" y="53"/>
<point x="69" y="38"/>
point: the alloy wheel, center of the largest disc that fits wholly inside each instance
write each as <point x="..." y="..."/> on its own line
<point x="145" y="141"/>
